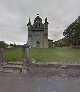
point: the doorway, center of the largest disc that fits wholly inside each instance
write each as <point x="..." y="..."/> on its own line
<point x="37" y="44"/>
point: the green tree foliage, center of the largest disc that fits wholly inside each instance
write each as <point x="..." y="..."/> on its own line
<point x="11" y="45"/>
<point x="3" y="44"/>
<point x="60" y="43"/>
<point x="72" y="33"/>
<point x="14" y="45"/>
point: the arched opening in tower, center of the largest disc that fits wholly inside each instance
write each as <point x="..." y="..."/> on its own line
<point x="37" y="44"/>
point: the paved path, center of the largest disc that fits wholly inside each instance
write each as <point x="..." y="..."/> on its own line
<point x="23" y="83"/>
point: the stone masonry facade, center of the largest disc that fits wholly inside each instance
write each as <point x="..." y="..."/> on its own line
<point x="38" y="33"/>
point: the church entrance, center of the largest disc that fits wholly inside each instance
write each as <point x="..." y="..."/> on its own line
<point x="37" y="44"/>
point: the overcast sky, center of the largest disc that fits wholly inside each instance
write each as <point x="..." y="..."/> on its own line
<point x="14" y="15"/>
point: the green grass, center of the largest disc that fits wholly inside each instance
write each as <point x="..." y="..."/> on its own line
<point x="14" y="54"/>
<point x="46" y="55"/>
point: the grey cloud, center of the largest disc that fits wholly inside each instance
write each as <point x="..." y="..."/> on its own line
<point x="14" y="16"/>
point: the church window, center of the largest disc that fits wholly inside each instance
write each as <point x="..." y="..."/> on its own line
<point x="39" y="25"/>
<point x="39" y="20"/>
<point x="36" y="26"/>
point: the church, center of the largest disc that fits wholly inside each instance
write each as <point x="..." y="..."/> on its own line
<point x="38" y="33"/>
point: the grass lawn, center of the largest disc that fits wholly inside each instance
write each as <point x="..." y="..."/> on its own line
<point x="14" y="54"/>
<point x="46" y="54"/>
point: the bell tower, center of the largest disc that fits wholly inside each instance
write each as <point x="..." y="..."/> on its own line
<point x="38" y="33"/>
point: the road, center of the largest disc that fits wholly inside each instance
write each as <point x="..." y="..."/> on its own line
<point x="23" y="83"/>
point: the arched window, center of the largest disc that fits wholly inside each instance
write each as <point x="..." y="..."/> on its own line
<point x="36" y="25"/>
<point x="38" y="44"/>
<point x="39" y="25"/>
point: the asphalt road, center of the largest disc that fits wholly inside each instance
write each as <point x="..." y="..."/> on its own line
<point x="23" y="83"/>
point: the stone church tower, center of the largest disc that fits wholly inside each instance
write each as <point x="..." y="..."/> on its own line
<point x="38" y="33"/>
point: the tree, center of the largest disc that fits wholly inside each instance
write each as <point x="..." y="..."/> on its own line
<point x="60" y="43"/>
<point x="11" y="45"/>
<point x="3" y="44"/>
<point x="72" y="33"/>
<point x="14" y="45"/>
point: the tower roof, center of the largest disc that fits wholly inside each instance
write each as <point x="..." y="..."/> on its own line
<point x="46" y="21"/>
<point x="38" y="18"/>
<point x="29" y="23"/>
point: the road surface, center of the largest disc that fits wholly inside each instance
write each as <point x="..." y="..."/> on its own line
<point x="23" y="83"/>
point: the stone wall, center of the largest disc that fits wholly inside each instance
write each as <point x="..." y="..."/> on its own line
<point x="50" y="70"/>
<point x="38" y="36"/>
